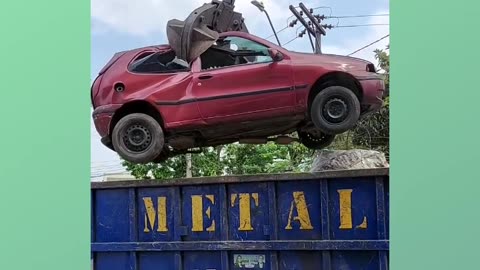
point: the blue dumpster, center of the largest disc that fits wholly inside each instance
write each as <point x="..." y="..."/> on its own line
<point x="325" y="220"/>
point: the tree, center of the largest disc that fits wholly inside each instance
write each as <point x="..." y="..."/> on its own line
<point x="232" y="159"/>
<point x="267" y="158"/>
<point x="373" y="132"/>
<point x="206" y="163"/>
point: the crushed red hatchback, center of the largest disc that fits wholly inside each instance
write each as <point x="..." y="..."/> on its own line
<point x="150" y="105"/>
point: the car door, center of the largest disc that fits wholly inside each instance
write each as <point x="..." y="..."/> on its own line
<point x="245" y="88"/>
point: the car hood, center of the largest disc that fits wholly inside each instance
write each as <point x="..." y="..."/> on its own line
<point x="340" y="62"/>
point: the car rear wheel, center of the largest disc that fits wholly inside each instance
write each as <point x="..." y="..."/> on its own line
<point x="138" y="138"/>
<point x="335" y="110"/>
<point x="315" y="139"/>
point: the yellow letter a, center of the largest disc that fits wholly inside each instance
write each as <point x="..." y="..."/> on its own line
<point x="303" y="217"/>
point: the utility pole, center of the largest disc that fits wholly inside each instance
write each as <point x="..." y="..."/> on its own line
<point x="188" y="157"/>
<point x="313" y="26"/>
<point x="319" y="31"/>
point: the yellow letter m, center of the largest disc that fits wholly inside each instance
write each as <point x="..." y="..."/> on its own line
<point x="152" y="213"/>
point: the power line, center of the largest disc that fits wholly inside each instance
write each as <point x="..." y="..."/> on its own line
<point x="279" y="31"/>
<point x="298" y="28"/>
<point x="330" y="26"/>
<point x="93" y="165"/>
<point x="364" y="47"/>
<point x="103" y="175"/>
<point x="358" y="16"/>
<point x="340" y="26"/>
<point x="104" y="161"/>
<point x="105" y="167"/>
<point x="347" y="16"/>
<point x="361" y="25"/>
<point x="109" y="172"/>
<point x="315" y="8"/>
<point x="290" y="40"/>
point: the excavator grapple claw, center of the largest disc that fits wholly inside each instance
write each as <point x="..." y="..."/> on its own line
<point x="193" y="36"/>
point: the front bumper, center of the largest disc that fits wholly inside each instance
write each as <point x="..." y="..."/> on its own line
<point x="373" y="92"/>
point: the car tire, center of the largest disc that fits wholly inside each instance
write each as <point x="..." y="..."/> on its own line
<point x="138" y="138"/>
<point x="315" y="140"/>
<point x="335" y="110"/>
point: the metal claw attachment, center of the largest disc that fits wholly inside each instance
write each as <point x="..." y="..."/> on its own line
<point x="193" y="36"/>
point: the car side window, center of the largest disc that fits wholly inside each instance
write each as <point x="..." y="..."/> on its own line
<point x="232" y="51"/>
<point x="160" y="62"/>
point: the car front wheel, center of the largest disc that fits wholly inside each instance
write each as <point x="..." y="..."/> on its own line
<point x="335" y="110"/>
<point x="138" y="138"/>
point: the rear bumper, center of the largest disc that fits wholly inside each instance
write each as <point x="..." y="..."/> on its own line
<point x="107" y="142"/>
<point x="102" y="118"/>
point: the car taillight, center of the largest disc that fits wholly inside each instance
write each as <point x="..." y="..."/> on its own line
<point x="94" y="90"/>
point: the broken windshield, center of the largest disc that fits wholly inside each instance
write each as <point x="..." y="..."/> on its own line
<point x="231" y="51"/>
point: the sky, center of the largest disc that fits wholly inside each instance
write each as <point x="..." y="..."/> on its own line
<point x="118" y="25"/>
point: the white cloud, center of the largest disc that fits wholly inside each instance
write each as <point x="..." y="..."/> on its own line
<point x="140" y="17"/>
<point x="143" y="17"/>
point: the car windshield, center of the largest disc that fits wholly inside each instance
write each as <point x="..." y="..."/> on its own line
<point x="231" y="51"/>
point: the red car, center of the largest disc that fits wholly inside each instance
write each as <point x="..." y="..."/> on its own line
<point x="150" y="105"/>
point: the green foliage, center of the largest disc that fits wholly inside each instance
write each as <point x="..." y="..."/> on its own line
<point x="373" y="132"/>
<point x="207" y="163"/>
<point x="172" y="168"/>
<point x="383" y="59"/>
<point x="267" y="158"/>
<point x="233" y="159"/>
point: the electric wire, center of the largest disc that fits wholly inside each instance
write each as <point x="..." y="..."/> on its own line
<point x="366" y="46"/>
<point x="357" y="16"/>
<point x="360" y="25"/>
<point x="290" y="41"/>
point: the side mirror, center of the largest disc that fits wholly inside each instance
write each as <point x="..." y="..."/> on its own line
<point x="275" y="54"/>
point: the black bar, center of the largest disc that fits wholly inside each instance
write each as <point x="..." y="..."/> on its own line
<point x="243" y="178"/>
<point x="244" y="245"/>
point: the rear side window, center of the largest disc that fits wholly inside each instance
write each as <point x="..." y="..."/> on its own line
<point x="160" y="62"/>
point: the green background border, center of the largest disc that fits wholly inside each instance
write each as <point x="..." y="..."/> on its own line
<point x="45" y="135"/>
<point x="434" y="135"/>
<point x="44" y="116"/>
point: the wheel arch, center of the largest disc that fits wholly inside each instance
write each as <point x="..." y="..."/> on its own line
<point x="136" y="106"/>
<point x="337" y="78"/>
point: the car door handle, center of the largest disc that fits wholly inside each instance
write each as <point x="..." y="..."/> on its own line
<point x="205" y="77"/>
